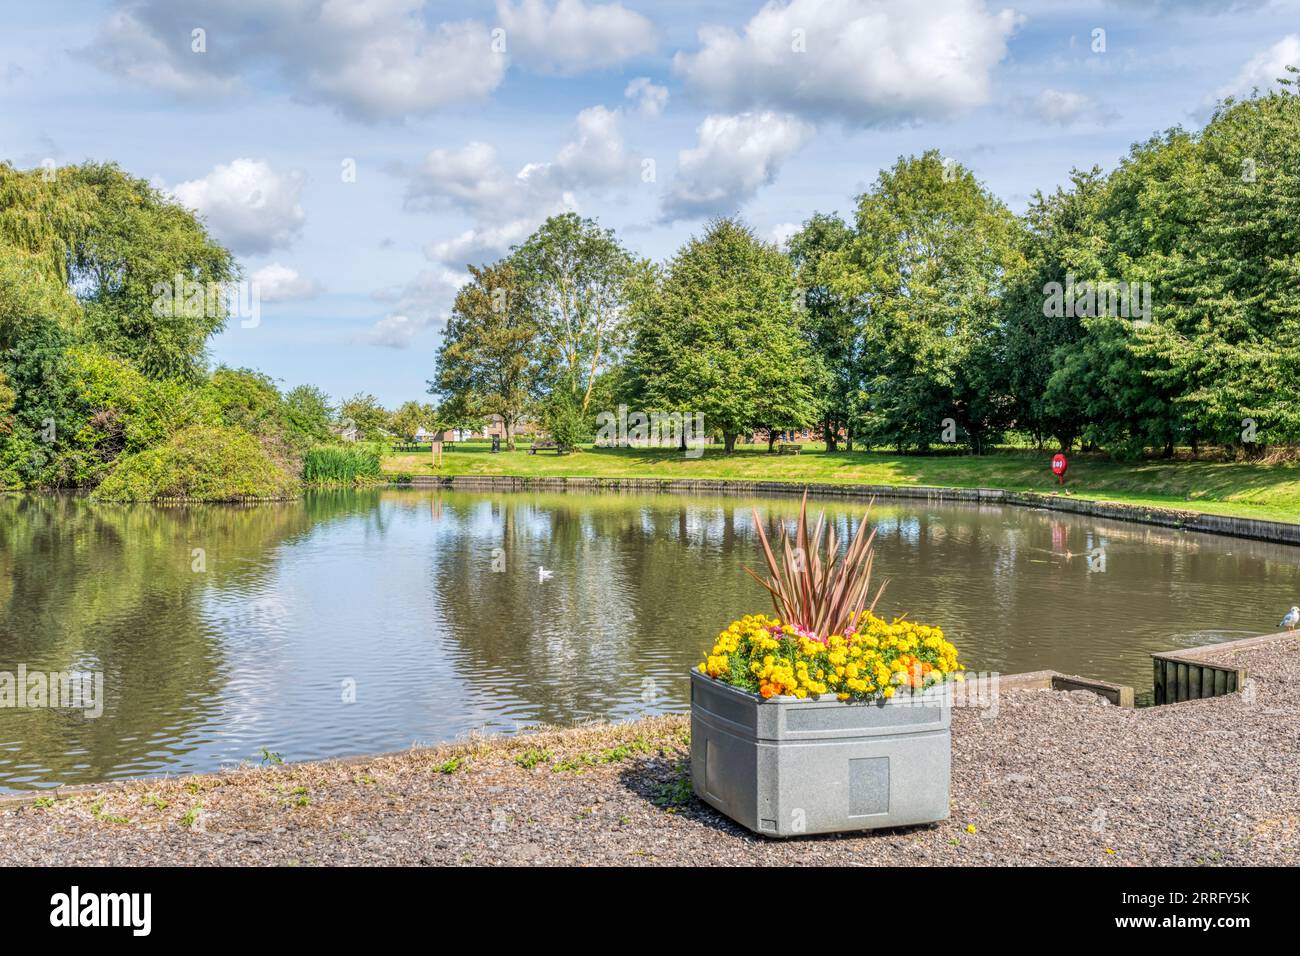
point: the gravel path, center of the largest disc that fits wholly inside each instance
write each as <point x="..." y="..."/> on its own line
<point x="1053" y="778"/>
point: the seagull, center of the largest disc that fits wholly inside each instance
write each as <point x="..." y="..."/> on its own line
<point x="543" y="574"/>
<point x="1292" y="619"/>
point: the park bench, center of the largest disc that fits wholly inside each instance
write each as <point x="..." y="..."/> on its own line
<point x="788" y="448"/>
<point x="421" y="446"/>
<point x="544" y="445"/>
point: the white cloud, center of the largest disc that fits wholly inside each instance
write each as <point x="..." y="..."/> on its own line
<point x="504" y="208"/>
<point x="573" y="35"/>
<point x="406" y="70"/>
<point x="482" y="244"/>
<point x="280" y="283"/>
<point x="651" y="98"/>
<point x="507" y="207"/>
<point x="129" y="47"/>
<point x="733" y="158"/>
<point x="249" y="206"/>
<point x="469" y="177"/>
<point x="419" y="305"/>
<point x="1263" y="69"/>
<point x="369" y="59"/>
<point x="1064" y="108"/>
<point x="783" y="231"/>
<point x="597" y="158"/>
<point x="395" y="331"/>
<point x="865" y="62"/>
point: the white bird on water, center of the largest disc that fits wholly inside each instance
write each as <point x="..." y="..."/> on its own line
<point x="1292" y="619"/>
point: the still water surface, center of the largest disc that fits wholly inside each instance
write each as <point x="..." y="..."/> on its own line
<point x="221" y="630"/>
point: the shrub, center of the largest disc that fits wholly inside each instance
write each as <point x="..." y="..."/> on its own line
<point x="814" y="590"/>
<point x="563" y="420"/>
<point x="199" y="463"/>
<point x="127" y="409"/>
<point x="341" y="465"/>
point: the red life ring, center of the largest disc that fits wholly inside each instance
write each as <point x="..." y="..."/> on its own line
<point x="1059" y="466"/>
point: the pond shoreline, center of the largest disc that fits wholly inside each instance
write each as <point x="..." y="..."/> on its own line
<point x="1049" y="777"/>
<point x="1277" y="532"/>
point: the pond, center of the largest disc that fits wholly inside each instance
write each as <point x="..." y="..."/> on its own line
<point x="356" y="622"/>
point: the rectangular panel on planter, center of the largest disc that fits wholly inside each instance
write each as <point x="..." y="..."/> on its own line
<point x="785" y="767"/>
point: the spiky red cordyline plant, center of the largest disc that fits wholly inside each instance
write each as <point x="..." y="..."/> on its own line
<point x="819" y="593"/>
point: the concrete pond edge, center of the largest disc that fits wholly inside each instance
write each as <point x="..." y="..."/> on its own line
<point x="1277" y="532"/>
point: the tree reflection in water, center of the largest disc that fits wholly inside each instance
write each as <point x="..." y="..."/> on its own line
<point x="431" y="606"/>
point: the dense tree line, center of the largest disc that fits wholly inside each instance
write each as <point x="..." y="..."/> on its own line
<point x="1140" y="310"/>
<point x="1151" y="307"/>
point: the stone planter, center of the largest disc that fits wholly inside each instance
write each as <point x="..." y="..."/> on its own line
<point x="785" y="767"/>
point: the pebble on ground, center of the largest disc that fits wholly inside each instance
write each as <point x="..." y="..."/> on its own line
<point x="1053" y="778"/>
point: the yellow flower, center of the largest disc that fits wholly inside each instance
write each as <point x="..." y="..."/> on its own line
<point x="862" y="663"/>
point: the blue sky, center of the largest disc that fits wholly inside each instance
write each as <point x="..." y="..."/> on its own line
<point x="468" y="123"/>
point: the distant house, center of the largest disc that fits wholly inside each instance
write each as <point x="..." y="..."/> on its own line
<point x="790" y="435"/>
<point x="496" y="427"/>
<point x="423" y="436"/>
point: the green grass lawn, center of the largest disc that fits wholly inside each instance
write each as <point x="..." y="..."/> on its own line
<point x="1270" y="492"/>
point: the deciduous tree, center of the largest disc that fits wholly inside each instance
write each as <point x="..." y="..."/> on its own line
<point x="575" y="278"/>
<point x="486" y="364"/>
<point x="718" y="334"/>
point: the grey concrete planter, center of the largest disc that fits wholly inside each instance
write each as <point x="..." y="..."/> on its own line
<point x="785" y="767"/>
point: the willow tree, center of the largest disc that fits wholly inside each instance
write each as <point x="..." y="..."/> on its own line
<point x="41" y="222"/>
<point x="87" y="246"/>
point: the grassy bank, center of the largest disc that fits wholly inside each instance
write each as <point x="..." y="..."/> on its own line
<point x="1240" y="489"/>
